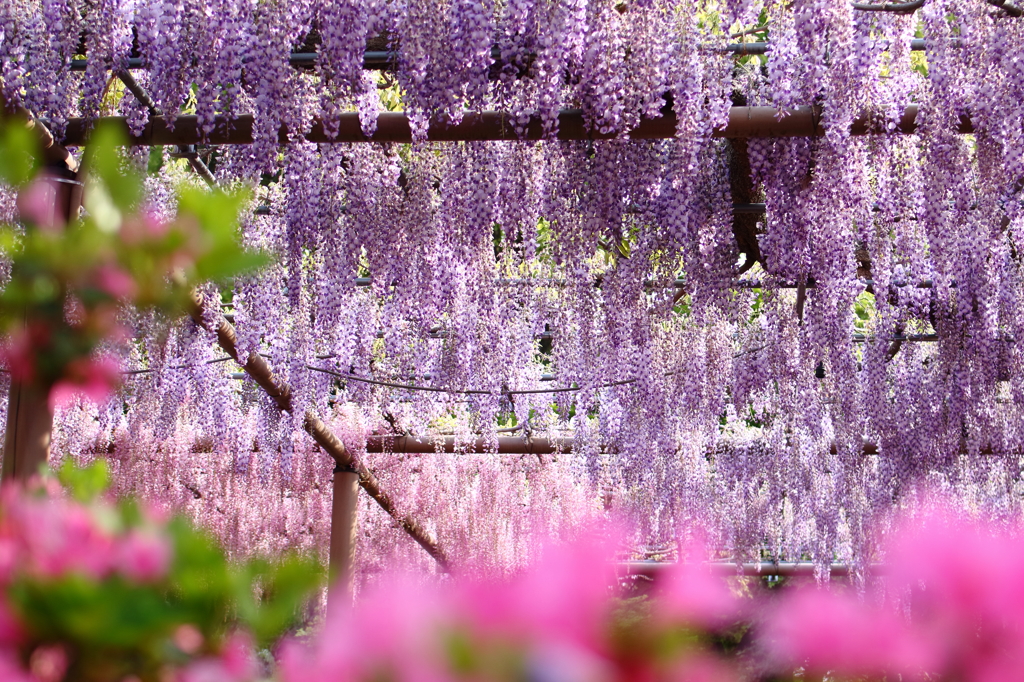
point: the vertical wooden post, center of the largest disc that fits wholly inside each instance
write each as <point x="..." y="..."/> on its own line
<point x="27" y="440"/>
<point x="343" y="533"/>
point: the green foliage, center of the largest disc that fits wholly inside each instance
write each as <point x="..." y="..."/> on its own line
<point x="18" y="162"/>
<point x="85" y="483"/>
<point x="106" y="166"/>
<point x="864" y="312"/>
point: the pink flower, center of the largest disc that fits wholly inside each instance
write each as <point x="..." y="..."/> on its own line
<point x="49" y="663"/>
<point x="564" y="596"/>
<point x="58" y="537"/>
<point x="393" y="632"/>
<point x="18" y="355"/>
<point x="965" y="585"/>
<point x="824" y="630"/>
<point x="37" y="204"/>
<point x="142" y="227"/>
<point x="116" y="282"/>
<point x="567" y="664"/>
<point x="11" y="631"/>
<point x="693" y="596"/>
<point x="93" y="378"/>
<point x="234" y="664"/>
<point x="11" y="670"/>
<point x="188" y="638"/>
<point x="143" y="556"/>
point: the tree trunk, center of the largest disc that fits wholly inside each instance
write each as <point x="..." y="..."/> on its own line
<point x="27" y="441"/>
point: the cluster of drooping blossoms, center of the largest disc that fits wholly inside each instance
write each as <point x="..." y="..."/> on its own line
<point x="257" y="507"/>
<point x="942" y="605"/>
<point x="93" y="590"/>
<point x="534" y="286"/>
<point x="593" y="291"/>
<point x="618" y="62"/>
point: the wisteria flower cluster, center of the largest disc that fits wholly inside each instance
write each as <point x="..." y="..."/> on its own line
<point x="775" y="338"/>
<point x="616" y="61"/>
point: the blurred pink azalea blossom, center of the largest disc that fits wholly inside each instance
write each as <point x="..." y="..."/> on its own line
<point x="692" y="595"/>
<point x="17" y="355"/>
<point x="37" y="204"/>
<point x="93" y="378"/>
<point x="12" y="671"/>
<point x="234" y="664"/>
<point x="142" y="227"/>
<point x="966" y="587"/>
<point x="59" y="538"/>
<point x="49" y="663"/>
<point x="825" y="630"/>
<point x="115" y="282"/>
<point x="143" y="556"/>
<point x="563" y="596"/>
<point x="553" y="663"/>
<point x="391" y="633"/>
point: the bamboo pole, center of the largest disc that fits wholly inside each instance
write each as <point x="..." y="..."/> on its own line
<point x="257" y="368"/>
<point x="744" y="122"/>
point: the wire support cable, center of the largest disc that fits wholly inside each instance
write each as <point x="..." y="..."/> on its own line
<point x="465" y="391"/>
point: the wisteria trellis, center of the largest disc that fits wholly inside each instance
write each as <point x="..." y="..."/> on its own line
<point x="775" y="402"/>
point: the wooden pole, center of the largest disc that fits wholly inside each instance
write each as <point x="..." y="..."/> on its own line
<point x="29" y="424"/>
<point x="342" y="554"/>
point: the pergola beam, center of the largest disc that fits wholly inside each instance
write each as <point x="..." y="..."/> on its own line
<point x="759" y="569"/>
<point x="744" y="122"/>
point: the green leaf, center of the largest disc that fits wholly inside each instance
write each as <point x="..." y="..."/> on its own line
<point x="18" y="150"/>
<point x="85" y="483"/>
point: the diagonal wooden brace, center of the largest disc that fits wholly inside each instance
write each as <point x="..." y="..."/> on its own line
<point x="257" y="368"/>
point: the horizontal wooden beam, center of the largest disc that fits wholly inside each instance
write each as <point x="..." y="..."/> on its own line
<point x="744" y="122"/>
